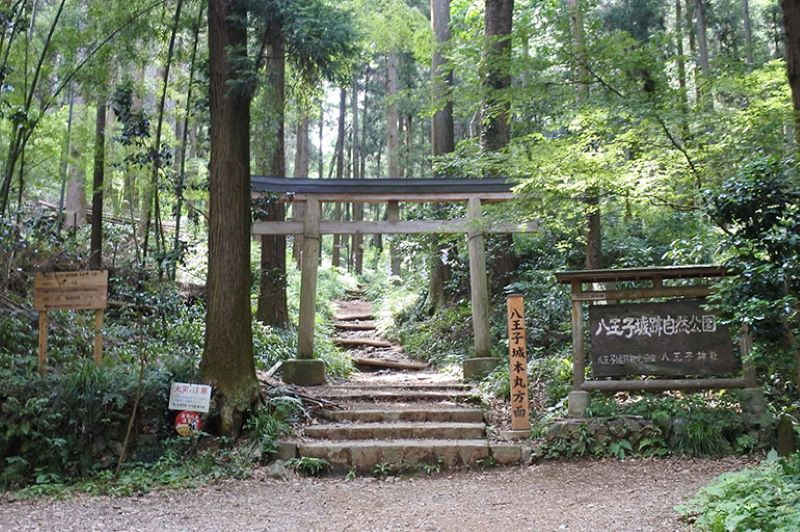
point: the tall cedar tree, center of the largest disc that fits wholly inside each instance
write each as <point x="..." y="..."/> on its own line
<point x="496" y="129"/>
<point x="791" y="28"/>
<point x="227" y="362"/>
<point x="272" y="304"/>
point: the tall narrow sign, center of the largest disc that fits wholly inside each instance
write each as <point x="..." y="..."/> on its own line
<point x="518" y="364"/>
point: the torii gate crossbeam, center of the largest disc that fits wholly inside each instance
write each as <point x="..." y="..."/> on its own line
<point x="310" y="193"/>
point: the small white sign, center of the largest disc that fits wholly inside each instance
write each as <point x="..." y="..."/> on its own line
<point x="187" y="396"/>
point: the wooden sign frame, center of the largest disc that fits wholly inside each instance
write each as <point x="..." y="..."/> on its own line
<point x="690" y="282"/>
<point x="80" y="290"/>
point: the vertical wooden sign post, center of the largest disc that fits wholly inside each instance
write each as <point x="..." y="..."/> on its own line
<point x="70" y="291"/>
<point x="518" y="364"/>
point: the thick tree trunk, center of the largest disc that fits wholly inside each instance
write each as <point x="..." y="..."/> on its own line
<point x="791" y="29"/>
<point x="96" y="249"/>
<point x="496" y="130"/>
<point x="272" y="304"/>
<point x="681" y="60"/>
<point x="227" y="362"/>
<point x="337" y="209"/>
<point x="594" y="249"/>
<point x="442" y="137"/>
<point x="357" y="246"/>
<point x="496" y="78"/>
<point x="64" y="163"/>
<point x="392" y="116"/>
<point x="748" y="32"/>
<point x="575" y="10"/>
<point x="301" y="162"/>
<point x="702" y="41"/>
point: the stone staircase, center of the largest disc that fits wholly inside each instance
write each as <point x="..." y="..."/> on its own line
<point x="403" y="417"/>
<point x="400" y="426"/>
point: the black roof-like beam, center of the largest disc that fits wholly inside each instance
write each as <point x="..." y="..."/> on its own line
<point x="411" y="186"/>
<point x="642" y="274"/>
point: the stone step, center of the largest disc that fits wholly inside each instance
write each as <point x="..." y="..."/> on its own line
<point x="365" y="414"/>
<point x="355" y="316"/>
<point x="402" y="395"/>
<point x="360" y="342"/>
<point x="389" y="431"/>
<point x="416" y="386"/>
<point x="363" y="455"/>
<point x="361" y="326"/>
<point x="387" y="363"/>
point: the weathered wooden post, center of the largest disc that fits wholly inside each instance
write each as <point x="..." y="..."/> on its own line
<point x="393" y="215"/>
<point x="480" y="363"/>
<point x="518" y="365"/>
<point x="578" y="400"/>
<point x="305" y="370"/>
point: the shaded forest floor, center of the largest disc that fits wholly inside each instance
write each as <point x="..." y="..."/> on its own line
<point x="581" y="495"/>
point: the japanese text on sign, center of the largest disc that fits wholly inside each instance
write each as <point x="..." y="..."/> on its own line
<point x="518" y="364"/>
<point x="650" y="326"/>
<point x="186" y="396"/>
<point x="677" y="338"/>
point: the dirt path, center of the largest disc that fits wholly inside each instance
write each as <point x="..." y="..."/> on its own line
<point x="633" y="495"/>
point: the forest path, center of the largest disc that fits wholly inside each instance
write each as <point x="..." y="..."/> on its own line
<point x="356" y="331"/>
<point x="585" y="495"/>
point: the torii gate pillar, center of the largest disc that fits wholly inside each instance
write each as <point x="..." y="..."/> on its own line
<point x="480" y="363"/>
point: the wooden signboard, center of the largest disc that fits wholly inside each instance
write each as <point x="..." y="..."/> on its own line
<point x="86" y="290"/>
<point x="676" y="338"/>
<point x="518" y="364"/>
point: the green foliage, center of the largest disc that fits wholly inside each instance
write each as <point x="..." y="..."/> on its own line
<point x="383" y="469"/>
<point x="309" y="465"/>
<point x="766" y="497"/>
<point x="271" y="422"/>
<point x="179" y="467"/>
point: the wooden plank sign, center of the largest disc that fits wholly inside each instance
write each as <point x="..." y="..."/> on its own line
<point x="674" y="338"/>
<point x="70" y="291"/>
<point x="84" y="290"/>
<point x="518" y="364"/>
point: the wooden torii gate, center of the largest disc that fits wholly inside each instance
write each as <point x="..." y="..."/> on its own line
<point x="305" y="370"/>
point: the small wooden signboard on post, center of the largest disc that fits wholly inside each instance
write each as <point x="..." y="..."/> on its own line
<point x="518" y="364"/>
<point x="86" y="290"/>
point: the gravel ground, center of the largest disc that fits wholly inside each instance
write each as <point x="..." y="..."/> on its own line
<point x="602" y="495"/>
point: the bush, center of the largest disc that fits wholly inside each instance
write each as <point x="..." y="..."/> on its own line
<point x="766" y="497"/>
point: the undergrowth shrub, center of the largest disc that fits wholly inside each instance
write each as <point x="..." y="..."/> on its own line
<point x="765" y="497"/>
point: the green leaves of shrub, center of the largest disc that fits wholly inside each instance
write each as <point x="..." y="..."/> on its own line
<point x="766" y="497"/>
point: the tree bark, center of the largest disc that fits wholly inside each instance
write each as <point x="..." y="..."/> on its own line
<point x="64" y="163"/>
<point x="96" y="248"/>
<point x="272" y="304"/>
<point x="748" y="32"/>
<point x="496" y="76"/>
<point x="358" y="208"/>
<point x="681" y="60"/>
<point x="442" y="137"/>
<point x="496" y="130"/>
<point x="702" y="41"/>
<point x="227" y="362"/>
<point x="337" y="209"/>
<point x="575" y="10"/>
<point x="791" y="31"/>
<point x="392" y="116"/>
<point x="301" y="162"/>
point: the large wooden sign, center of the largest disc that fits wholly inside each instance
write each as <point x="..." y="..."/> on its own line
<point x="85" y="290"/>
<point x="676" y="338"/>
<point x="70" y="291"/>
<point x="518" y="364"/>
